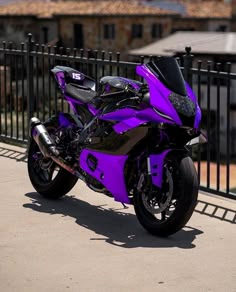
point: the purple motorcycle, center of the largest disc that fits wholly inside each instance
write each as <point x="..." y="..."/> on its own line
<point x="125" y="139"/>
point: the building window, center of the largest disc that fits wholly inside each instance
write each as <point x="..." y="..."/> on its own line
<point x="109" y="31"/>
<point x="137" y="31"/>
<point x="2" y="29"/>
<point x="45" y="34"/>
<point x="78" y="36"/>
<point x="157" y="30"/>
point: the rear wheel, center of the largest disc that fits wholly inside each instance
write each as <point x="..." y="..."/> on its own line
<point x="48" y="179"/>
<point x="165" y="211"/>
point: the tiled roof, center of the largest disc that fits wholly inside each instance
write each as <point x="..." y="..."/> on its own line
<point x="100" y="7"/>
<point x="195" y="8"/>
<point x="206" y="9"/>
<point x="4" y="2"/>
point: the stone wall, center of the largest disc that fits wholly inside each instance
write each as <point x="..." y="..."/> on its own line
<point x="16" y="28"/>
<point x="93" y="31"/>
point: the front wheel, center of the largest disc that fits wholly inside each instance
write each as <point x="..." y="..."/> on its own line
<point x="165" y="211"/>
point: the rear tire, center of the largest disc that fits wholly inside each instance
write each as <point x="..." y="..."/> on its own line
<point x="48" y="179"/>
<point x="183" y="201"/>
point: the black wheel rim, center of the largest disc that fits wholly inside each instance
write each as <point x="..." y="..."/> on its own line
<point x="45" y="169"/>
<point x="161" y="205"/>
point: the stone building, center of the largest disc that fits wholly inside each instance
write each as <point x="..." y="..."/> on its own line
<point x="198" y="15"/>
<point x="113" y="25"/>
<point x="108" y="25"/>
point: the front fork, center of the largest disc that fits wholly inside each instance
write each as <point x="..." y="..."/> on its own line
<point x="155" y="166"/>
<point x="155" y="162"/>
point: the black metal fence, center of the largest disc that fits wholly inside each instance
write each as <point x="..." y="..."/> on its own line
<point x="27" y="88"/>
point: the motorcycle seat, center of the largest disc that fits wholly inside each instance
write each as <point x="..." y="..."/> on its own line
<point x="76" y="77"/>
<point x="79" y="92"/>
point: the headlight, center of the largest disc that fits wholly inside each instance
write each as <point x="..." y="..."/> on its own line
<point x="183" y="104"/>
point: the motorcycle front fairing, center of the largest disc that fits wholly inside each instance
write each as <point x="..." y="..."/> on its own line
<point x="168" y="96"/>
<point x="166" y="105"/>
<point x="161" y="99"/>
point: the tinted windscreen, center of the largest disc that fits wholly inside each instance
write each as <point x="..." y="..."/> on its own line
<point x="168" y="72"/>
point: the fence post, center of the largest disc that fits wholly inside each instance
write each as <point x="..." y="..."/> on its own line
<point x="30" y="78"/>
<point x="188" y="63"/>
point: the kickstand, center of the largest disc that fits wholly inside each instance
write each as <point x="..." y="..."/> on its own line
<point x="125" y="207"/>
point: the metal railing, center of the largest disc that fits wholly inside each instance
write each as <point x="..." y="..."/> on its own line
<point x="27" y="88"/>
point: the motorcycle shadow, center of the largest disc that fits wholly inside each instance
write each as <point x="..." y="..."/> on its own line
<point x="119" y="228"/>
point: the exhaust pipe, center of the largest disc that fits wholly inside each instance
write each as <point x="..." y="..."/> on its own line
<point x="41" y="136"/>
<point x="47" y="146"/>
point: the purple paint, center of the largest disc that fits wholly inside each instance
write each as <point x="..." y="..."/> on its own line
<point x="73" y="100"/>
<point x="128" y="124"/>
<point x="93" y="110"/>
<point x="60" y="77"/>
<point x="197" y="117"/>
<point x="109" y="172"/>
<point x="107" y="88"/>
<point x="141" y="117"/>
<point x="128" y="115"/>
<point x="157" y="164"/>
<point x="152" y="116"/>
<point x="119" y="115"/>
<point x="158" y="94"/>
<point x="63" y="121"/>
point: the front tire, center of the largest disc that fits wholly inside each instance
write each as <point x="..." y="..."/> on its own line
<point x="48" y="179"/>
<point x="174" y="209"/>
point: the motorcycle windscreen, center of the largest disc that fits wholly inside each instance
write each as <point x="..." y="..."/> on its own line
<point x="167" y="70"/>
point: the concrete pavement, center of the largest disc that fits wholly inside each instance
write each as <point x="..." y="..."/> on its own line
<point x="87" y="242"/>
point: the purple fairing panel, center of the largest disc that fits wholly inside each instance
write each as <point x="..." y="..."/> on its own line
<point x="119" y="115"/>
<point x="193" y="97"/>
<point x="107" y="88"/>
<point x="141" y="117"/>
<point x="156" y="164"/>
<point x="128" y="124"/>
<point x="72" y="100"/>
<point x="93" y="110"/>
<point x="158" y="94"/>
<point x="152" y="116"/>
<point x="63" y="121"/>
<point x="130" y="118"/>
<point x="109" y="172"/>
<point x="72" y="103"/>
<point x="60" y="77"/>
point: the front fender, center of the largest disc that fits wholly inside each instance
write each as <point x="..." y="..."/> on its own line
<point x="157" y="164"/>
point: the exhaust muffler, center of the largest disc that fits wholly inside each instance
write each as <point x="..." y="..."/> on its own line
<point x="47" y="146"/>
<point x="41" y="136"/>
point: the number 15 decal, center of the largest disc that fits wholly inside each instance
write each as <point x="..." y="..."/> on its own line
<point x="76" y="76"/>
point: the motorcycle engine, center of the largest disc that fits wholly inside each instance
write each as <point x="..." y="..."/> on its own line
<point x="66" y="139"/>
